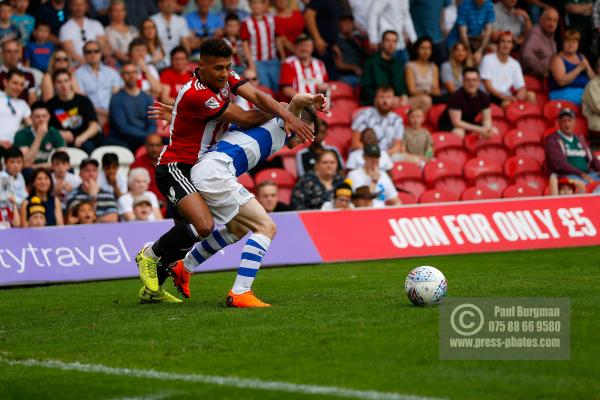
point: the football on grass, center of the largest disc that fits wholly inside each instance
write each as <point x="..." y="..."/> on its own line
<point x="425" y="286"/>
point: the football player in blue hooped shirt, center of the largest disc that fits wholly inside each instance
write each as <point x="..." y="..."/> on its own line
<point x="231" y="205"/>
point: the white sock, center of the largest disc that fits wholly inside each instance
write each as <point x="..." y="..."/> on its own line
<point x="252" y="256"/>
<point x="203" y="250"/>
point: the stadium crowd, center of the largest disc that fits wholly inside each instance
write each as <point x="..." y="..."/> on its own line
<point x="431" y="100"/>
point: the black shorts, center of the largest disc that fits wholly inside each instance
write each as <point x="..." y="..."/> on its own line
<point x="174" y="182"/>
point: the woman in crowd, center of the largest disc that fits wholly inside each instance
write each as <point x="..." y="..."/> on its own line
<point x="316" y="187"/>
<point x="422" y="76"/>
<point x="118" y="33"/>
<point x="42" y="188"/>
<point x="290" y="24"/>
<point x="570" y="71"/>
<point x="453" y="68"/>
<point x="156" y="53"/>
<point x="59" y="60"/>
<point x="139" y="179"/>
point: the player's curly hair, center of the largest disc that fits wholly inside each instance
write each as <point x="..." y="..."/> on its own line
<point x="216" y="48"/>
<point x="309" y="115"/>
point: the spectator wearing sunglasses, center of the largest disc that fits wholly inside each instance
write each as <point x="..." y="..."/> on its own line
<point x="54" y="13"/>
<point x="97" y="81"/>
<point x="79" y="29"/>
<point x="172" y="29"/>
<point x="14" y="112"/>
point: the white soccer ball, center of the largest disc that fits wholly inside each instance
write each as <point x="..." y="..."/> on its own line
<point x="425" y="285"/>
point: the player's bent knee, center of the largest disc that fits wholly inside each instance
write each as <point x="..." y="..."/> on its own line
<point x="204" y="226"/>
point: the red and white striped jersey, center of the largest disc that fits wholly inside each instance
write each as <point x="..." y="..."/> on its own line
<point x="194" y="125"/>
<point x="260" y="33"/>
<point x="303" y="78"/>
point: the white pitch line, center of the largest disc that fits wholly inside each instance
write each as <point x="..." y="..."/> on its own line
<point x="243" y="383"/>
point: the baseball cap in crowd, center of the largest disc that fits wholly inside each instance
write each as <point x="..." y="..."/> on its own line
<point x="372" y="150"/>
<point x="87" y="161"/>
<point x="566" y="112"/>
<point x="141" y="200"/>
<point x="302" y="37"/>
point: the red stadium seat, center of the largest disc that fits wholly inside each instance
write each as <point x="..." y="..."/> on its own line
<point x="485" y="173"/>
<point x="522" y="109"/>
<point x="407" y="176"/>
<point x="518" y="165"/>
<point x="246" y="181"/>
<point x="553" y="108"/>
<point x="407" y="198"/>
<point x="445" y="175"/>
<point x="521" y="191"/>
<point x="479" y="193"/>
<point x="491" y="148"/>
<point x="438" y="196"/>
<point x="523" y="143"/>
<point x="497" y="111"/>
<point x="535" y="125"/>
<point x="284" y="180"/>
<point x="435" y="113"/>
<point x="340" y="137"/>
<point x="337" y="117"/>
<point x="534" y="84"/>
<point x="402" y="111"/>
<point x="536" y="181"/>
<point x="449" y="147"/>
<point x="345" y="105"/>
<point x="341" y="90"/>
<point x="501" y="125"/>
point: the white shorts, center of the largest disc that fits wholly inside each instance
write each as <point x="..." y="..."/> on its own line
<point x="216" y="182"/>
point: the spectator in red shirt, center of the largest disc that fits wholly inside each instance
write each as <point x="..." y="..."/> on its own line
<point x="262" y="43"/>
<point x="174" y="77"/>
<point x="290" y="23"/>
<point x="148" y="160"/>
<point x="301" y="73"/>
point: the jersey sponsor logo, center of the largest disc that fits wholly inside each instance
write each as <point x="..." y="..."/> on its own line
<point x="212" y="103"/>
<point x="244" y="192"/>
<point x="225" y="92"/>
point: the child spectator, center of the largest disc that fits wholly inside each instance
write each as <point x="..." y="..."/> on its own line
<point x="8" y="30"/>
<point x="22" y="20"/>
<point x="355" y="158"/>
<point x="232" y="36"/>
<point x="110" y="178"/>
<point x="36" y="213"/>
<point x="82" y="213"/>
<point x="40" y="49"/>
<point x="142" y="208"/>
<point x="417" y="140"/>
<point x="139" y="179"/>
<point x="9" y="211"/>
<point x="63" y="180"/>
<point x="13" y="161"/>
<point x="342" y="198"/>
<point x="262" y="43"/>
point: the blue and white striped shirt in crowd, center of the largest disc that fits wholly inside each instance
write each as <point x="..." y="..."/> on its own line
<point x="248" y="147"/>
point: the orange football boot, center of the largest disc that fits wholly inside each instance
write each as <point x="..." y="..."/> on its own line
<point x="181" y="279"/>
<point x="245" y="300"/>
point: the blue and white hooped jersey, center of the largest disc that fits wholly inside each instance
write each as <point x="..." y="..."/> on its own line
<point x="248" y="147"/>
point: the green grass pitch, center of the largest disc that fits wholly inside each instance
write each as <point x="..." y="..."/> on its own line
<point x="343" y="325"/>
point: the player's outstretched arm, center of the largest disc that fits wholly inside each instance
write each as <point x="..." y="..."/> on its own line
<point x="271" y="106"/>
<point x="299" y="101"/>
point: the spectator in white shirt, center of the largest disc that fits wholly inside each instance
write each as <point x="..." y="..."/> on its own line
<point x="502" y="75"/>
<point x="97" y="81"/>
<point x="14" y="112"/>
<point x="79" y="29"/>
<point x="356" y="160"/>
<point x="387" y="125"/>
<point x="172" y="29"/>
<point x="379" y="182"/>
<point x="138" y="186"/>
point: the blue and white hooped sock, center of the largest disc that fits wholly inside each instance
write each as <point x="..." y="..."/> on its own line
<point x="252" y="256"/>
<point x="202" y="251"/>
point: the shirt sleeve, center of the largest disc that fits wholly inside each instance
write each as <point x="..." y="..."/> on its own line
<point x="183" y="27"/>
<point x="57" y="140"/>
<point x="360" y="122"/>
<point x="87" y="110"/>
<point x="21" y="139"/>
<point x="461" y="16"/>
<point x="287" y="75"/>
<point x="490" y="17"/>
<point x="235" y="81"/>
<point x="446" y="73"/>
<point x="518" y="79"/>
<point x="486" y="70"/>
<point x="389" y="188"/>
